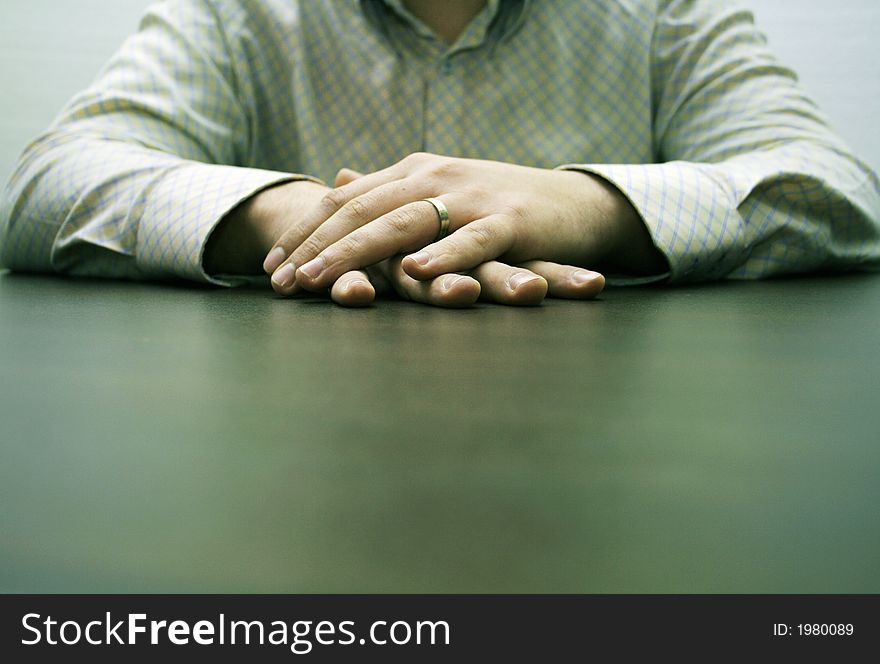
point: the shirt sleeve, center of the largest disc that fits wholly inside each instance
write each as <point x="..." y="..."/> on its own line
<point x="750" y="180"/>
<point x="135" y="173"/>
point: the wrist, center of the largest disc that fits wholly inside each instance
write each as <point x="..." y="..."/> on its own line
<point x="242" y="238"/>
<point x="621" y="242"/>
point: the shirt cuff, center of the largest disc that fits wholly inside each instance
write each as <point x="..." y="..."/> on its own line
<point x="183" y="210"/>
<point x="688" y="214"/>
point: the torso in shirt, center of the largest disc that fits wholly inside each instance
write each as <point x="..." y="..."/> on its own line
<point x="361" y="84"/>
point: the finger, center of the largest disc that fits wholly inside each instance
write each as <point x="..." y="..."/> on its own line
<point x="567" y="281"/>
<point x="469" y="246"/>
<point x="332" y="202"/>
<point x="403" y="229"/>
<point x="353" y="289"/>
<point x="378" y="275"/>
<point x="385" y="199"/>
<point x="346" y="175"/>
<point x="506" y="284"/>
<point x="448" y="290"/>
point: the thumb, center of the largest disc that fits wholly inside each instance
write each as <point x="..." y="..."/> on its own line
<point x="346" y="175"/>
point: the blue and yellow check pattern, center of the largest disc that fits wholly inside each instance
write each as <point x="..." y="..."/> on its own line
<point x="679" y="103"/>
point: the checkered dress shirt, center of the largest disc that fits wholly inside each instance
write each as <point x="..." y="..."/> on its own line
<point x="678" y="103"/>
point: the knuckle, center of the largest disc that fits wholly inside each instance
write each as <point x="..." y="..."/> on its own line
<point x="442" y="168"/>
<point x="333" y="200"/>
<point x="415" y="157"/>
<point x="402" y="221"/>
<point x="483" y="235"/>
<point x="348" y="250"/>
<point x="359" y="210"/>
<point x="516" y="212"/>
<point x="309" y="248"/>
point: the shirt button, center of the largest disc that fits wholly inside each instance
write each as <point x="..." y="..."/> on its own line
<point x="446" y="67"/>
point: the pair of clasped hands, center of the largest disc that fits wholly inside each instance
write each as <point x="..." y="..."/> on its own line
<point x="516" y="234"/>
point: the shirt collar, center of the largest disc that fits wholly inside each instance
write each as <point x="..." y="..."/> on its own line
<point x="498" y="20"/>
<point x="398" y="7"/>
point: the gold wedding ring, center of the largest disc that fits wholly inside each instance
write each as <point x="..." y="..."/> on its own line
<point x="444" y="217"/>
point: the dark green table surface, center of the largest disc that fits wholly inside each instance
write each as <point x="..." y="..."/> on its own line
<point x="723" y="438"/>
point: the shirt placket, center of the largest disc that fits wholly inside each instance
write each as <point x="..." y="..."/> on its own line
<point x="442" y="72"/>
<point x="444" y="103"/>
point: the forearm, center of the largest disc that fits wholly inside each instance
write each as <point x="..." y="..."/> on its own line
<point x="752" y="180"/>
<point x="74" y="205"/>
<point x="87" y="206"/>
<point x="616" y="239"/>
<point x="791" y="209"/>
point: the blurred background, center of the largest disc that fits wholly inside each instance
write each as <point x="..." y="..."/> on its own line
<point x="49" y="49"/>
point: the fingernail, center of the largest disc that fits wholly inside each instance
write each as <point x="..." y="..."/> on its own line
<point x="422" y="257"/>
<point x="449" y="281"/>
<point x="518" y="279"/>
<point x="313" y="268"/>
<point x="584" y="276"/>
<point x="274" y="259"/>
<point x="285" y="276"/>
<point x="356" y="282"/>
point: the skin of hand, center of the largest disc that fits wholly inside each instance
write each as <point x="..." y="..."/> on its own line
<point x="497" y="211"/>
<point x="247" y="232"/>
